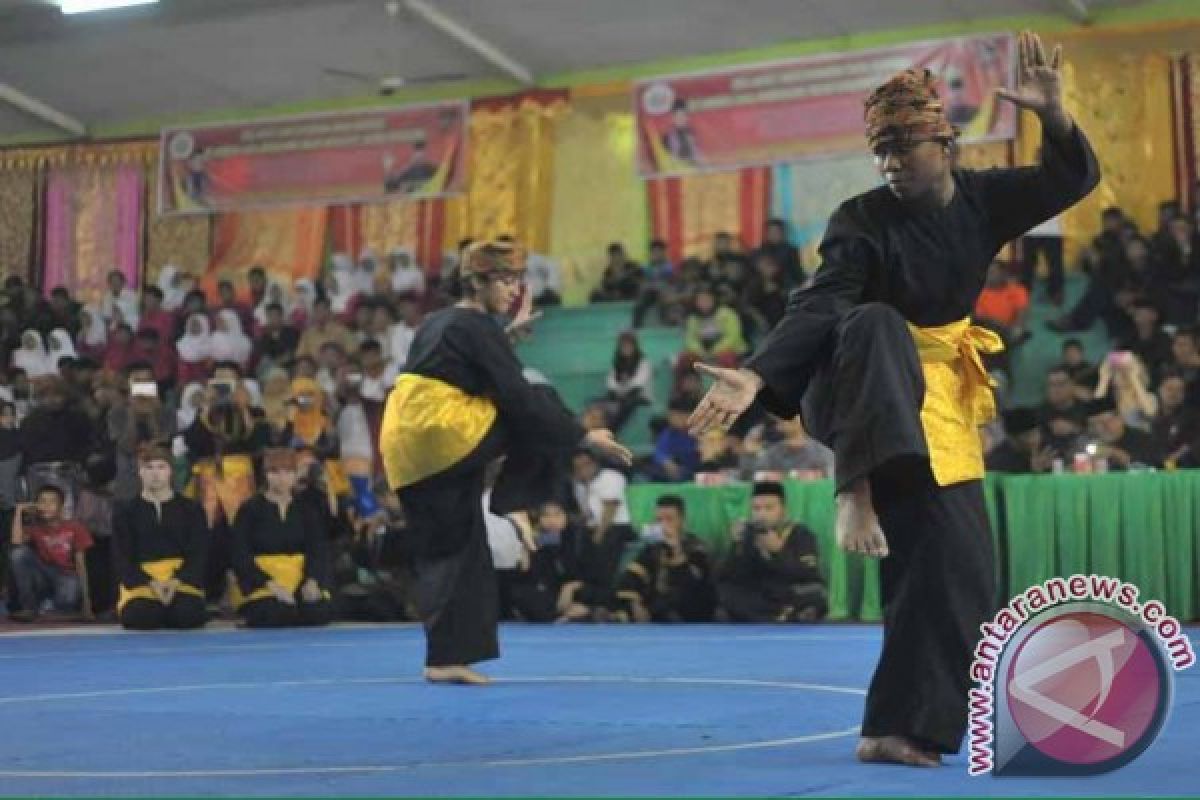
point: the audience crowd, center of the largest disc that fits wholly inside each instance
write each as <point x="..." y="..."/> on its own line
<point x="173" y="453"/>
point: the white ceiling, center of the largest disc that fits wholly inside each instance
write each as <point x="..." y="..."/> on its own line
<point x="192" y="56"/>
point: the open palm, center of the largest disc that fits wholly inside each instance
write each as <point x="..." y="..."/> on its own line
<point x="1039" y="80"/>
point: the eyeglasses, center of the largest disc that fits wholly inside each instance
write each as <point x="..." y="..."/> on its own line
<point x="506" y="277"/>
<point x="899" y="149"/>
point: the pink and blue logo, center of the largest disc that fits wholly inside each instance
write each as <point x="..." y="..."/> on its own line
<point x="1079" y="688"/>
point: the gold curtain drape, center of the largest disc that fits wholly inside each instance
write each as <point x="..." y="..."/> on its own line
<point x="511" y="175"/>
<point x="1117" y="87"/>
<point x="598" y="197"/>
<point x="385" y="226"/>
<point x="18" y="211"/>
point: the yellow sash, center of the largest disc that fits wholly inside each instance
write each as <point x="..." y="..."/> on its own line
<point x="958" y="396"/>
<point x="429" y="426"/>
<point x="283" y="568"/>
<point x="162" y="570"/>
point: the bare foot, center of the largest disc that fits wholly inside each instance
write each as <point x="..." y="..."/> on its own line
<point x="857" y="525"/>
<point x="460" y="675"/>
<point x="895" y="750"/>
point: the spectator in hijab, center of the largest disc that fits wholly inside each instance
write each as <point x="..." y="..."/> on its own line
<point x="712" y="334"/>
<point x="229" y="342"/>
<point x="194" y="303"/>
<point x="195" y="350"/>
<point x="32" y="356"/>
<point x="306" y="294"/>
<point x="408" y="279"/>
<point x="93" y="338"/>
<point x="59" y="346"/>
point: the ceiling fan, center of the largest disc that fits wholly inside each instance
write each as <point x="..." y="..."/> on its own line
<point x="390" y="84"/>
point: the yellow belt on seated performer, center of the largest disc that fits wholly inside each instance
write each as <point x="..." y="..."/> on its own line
<point x="429" y="426"/>
<point x="283" y="568"/>
<point x="958" y="396"/>
<point x="162" y="571"/>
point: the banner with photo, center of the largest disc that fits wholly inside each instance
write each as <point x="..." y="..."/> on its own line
<point x="811" y="107"/>
<point x="355" y="156"/>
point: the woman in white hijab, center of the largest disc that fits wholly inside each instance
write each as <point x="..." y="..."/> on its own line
<point x="229" y="343"/>
<point x="190" y="402"/>
<point x="194" y="349"/>
<point x="306" y="295"/>
<point x="32" y="356"/>
<point x="340" y="288"/>
<point x="94" y="334"/>
<point x="60" y="346"/>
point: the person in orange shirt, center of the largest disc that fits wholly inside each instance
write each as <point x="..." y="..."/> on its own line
<point x="1003" y="303"/>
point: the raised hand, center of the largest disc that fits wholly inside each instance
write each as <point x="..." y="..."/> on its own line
<point x="731" y="394"/>
<point x="1039" y="81"/>
<point x="604" y="443"/>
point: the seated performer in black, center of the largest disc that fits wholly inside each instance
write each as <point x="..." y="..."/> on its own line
<point x="461" y="403"/>
<point x="880" y="357"/>
<point x="281" y="552"/>
<point x="160" y="546"/>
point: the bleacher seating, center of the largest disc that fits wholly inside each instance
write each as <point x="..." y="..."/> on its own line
<point x="573" y="348"/>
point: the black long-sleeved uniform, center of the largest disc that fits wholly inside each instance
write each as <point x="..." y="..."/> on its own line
<point x="844" y="355"/>
<point x="455" y="585"/>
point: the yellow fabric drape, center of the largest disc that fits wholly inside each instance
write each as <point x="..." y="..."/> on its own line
<point x="511" y="176"/>
<point x="100" y="154"/>
<point x="958" y="396"/>
<point x="289" y="243"/>
<point x="17" y="209"/>
<point x="710" y="203"/>
<point x="184" y="240"/>
<point x="385" y="226"/>
<point x="598" y="197"/>
<point x="1117" y="87"/>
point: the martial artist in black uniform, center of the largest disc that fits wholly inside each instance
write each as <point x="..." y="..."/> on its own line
<point x="461" y="403"/>
<point x="281" y="552"/>
<point x="160" y="546"/>
<point x="669" y="580"/>
<point x="881" y="358"/>
<point x="772" y="574"/>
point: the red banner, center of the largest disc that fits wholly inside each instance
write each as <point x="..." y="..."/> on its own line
<point x="358" y="156"/>
<point x="786" y="111"/>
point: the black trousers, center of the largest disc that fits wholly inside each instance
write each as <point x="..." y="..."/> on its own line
<point x="755" y="603"/>
<point x="938" y="582"/>
<point x="938" y="587"/>
<point x="270" y="613"/>
<point x="185" y="612"/>
<point x="1052" y="248"/>
<point x="455" y="584"/>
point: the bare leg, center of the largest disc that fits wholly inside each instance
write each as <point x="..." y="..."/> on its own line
<point x="858" y="529"/>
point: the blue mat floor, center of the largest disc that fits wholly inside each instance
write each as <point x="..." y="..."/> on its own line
<point x="702" y="710"/>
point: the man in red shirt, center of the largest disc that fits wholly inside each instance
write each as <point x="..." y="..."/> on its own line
<point x="47" y="556"/>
